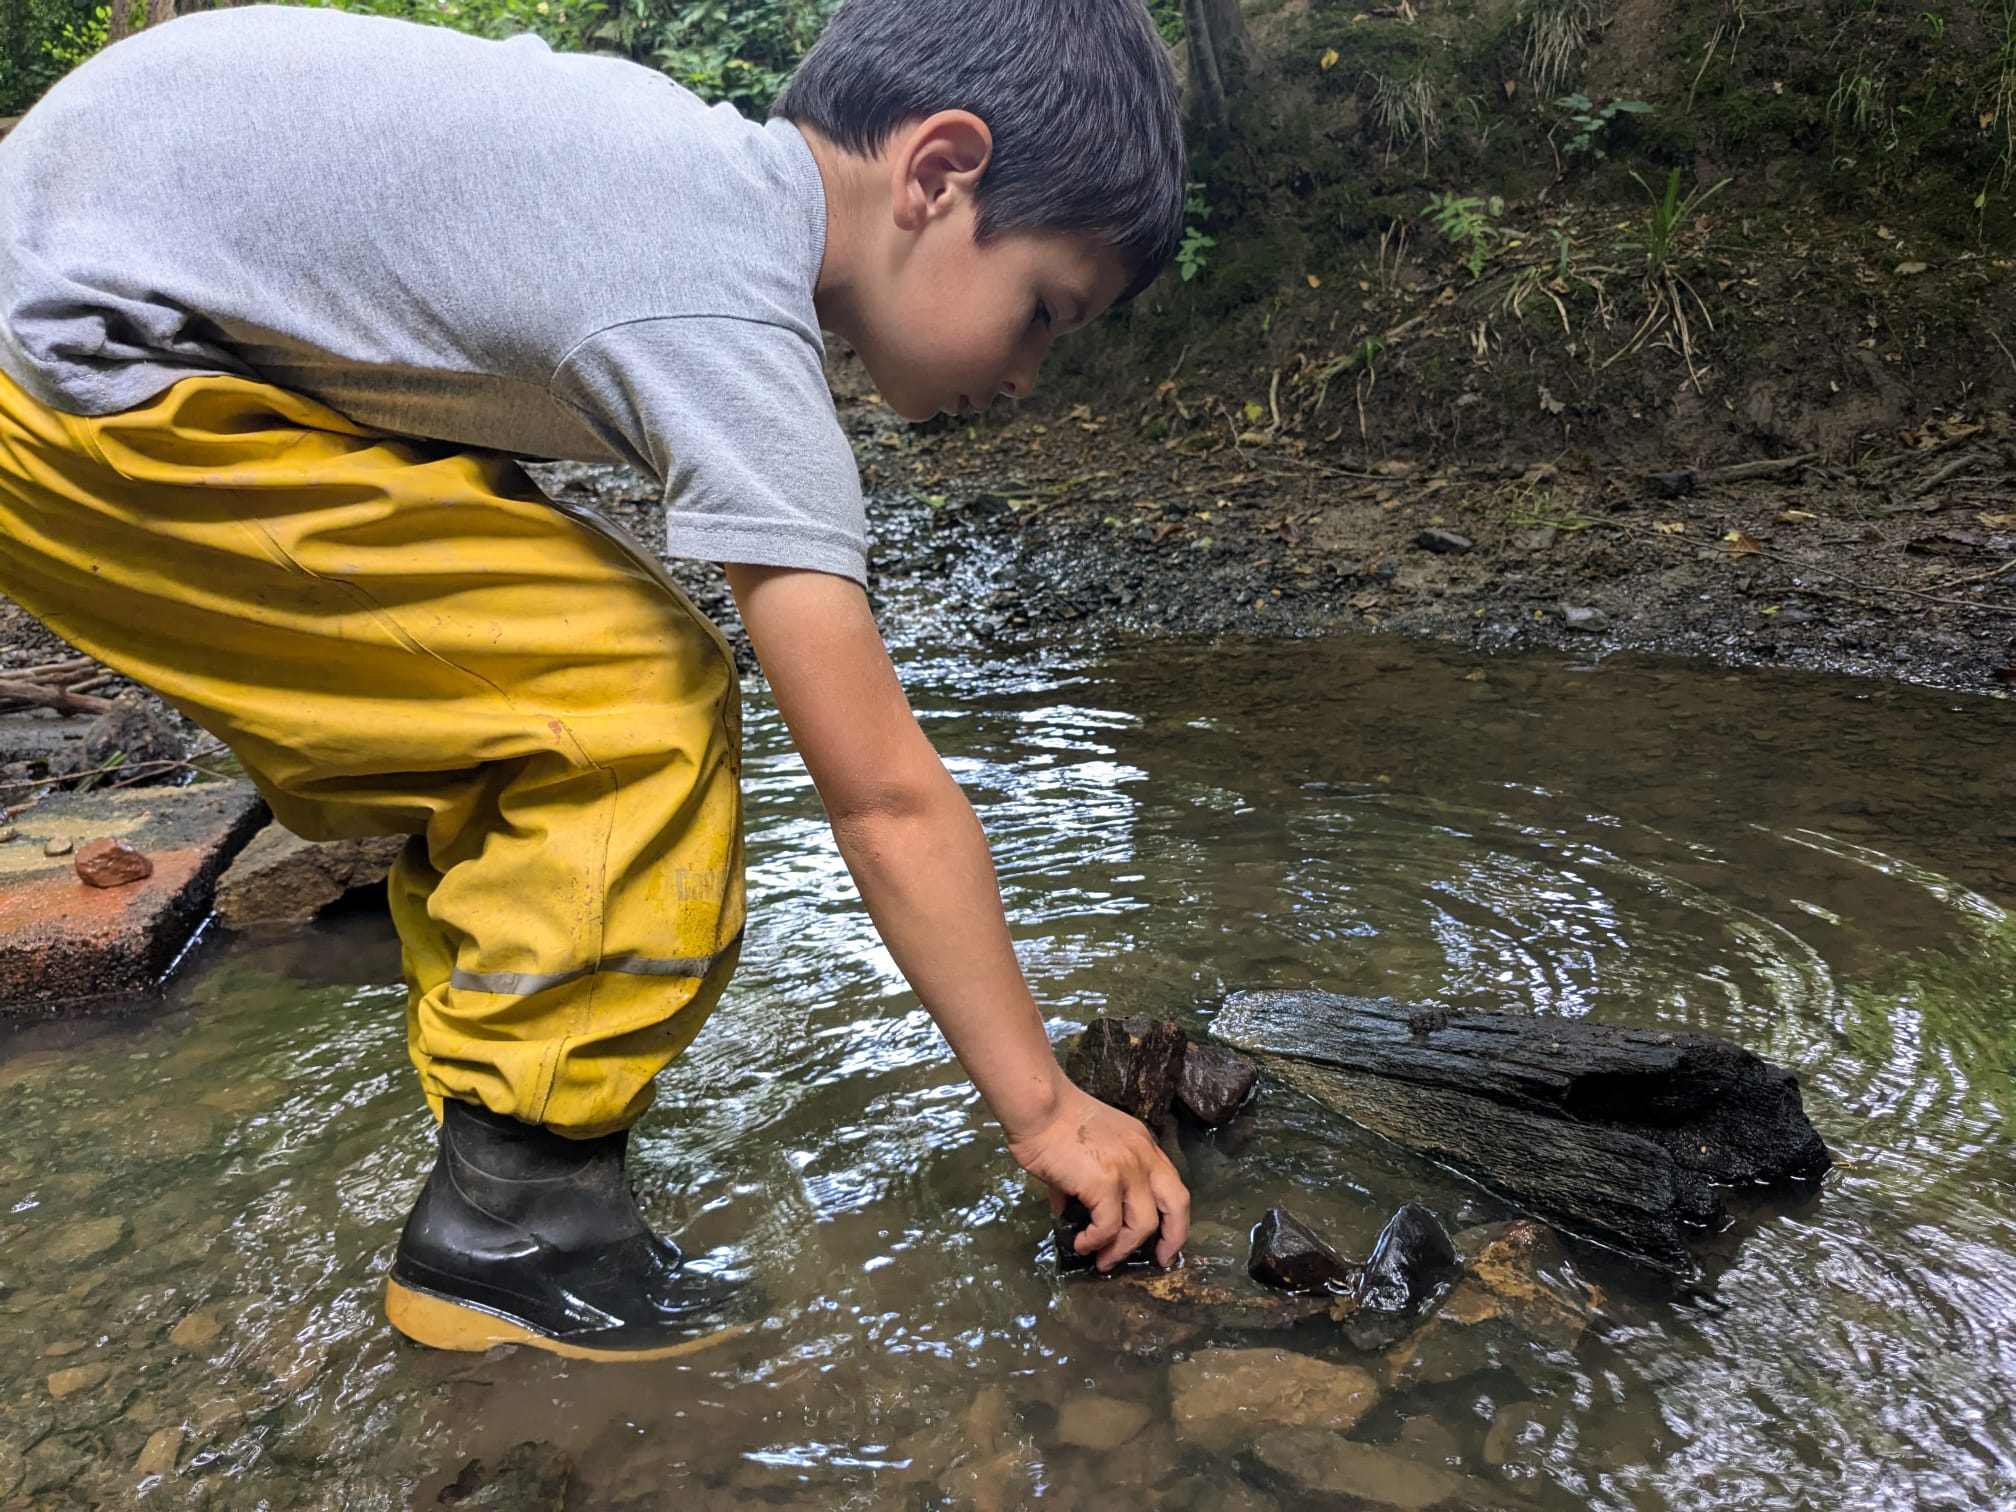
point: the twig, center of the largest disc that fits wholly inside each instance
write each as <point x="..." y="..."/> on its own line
<point x="52" y="698"/>
<point x="1980" y="577"/>
<point x="1743" y="472"/>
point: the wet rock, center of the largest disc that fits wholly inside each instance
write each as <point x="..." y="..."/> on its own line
<point x="1675" y="484"/>
<point x="1148" y="1313"/>
<point x="1521" y="1431"/>
<point x="79" y="1243"/>
<point x="1519" y="1298"/>
<point x="137" y="731"/>
<point x="109" y="862"/>
<point x="1289" y="1254"/>
<point x="1324" y="1464"/>
<point x="197" y="1331"/>
<point x="1133" y="1064"/>
<point x="1444" y="542"/>
<point x="281" y="879"/>
<point x="531" y="1477"/>
<point x="67" y="1383"/>
<point x="158" y="1456"/>
<point x="59" y="845"/>
<point x="1100" y="1423"/>
<point x="64" y="1349"/>
<point x="1583" y="618"/>
<point x="1215" y="1082"/>
<point x="1412" y="1254"/>
<point x="1224" y="1399"/>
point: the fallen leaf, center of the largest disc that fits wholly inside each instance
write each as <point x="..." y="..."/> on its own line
<point x="1743" y="545"/>
<point x="1329" y="59"/>
<point x="1792" y="516"/>
<point x="1314" y="281"/>
<point x="1254" y="410"/>
<point x="1770" y="608"/>
<point x="1671" y="527"/>
<point x="1910" y="269"/>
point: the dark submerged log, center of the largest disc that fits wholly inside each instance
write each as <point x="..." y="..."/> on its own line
<point x="1619" y="1135"/>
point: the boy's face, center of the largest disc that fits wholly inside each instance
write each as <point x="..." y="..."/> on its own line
<point x="962" y="320"/>
<point x="943" y="320"/>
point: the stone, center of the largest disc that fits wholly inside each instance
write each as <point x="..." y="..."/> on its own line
<point x="531" y="1477"/>
<point x="8" y="834"/>
<point x="1444" y="542"/>
<point x="1100" y="1423"/>
<point x="60" y="942"/>
<point x="1224" y="1399"/>
<point x="66" y="1383"/>
<point x="197" y="1331"/>
<point x="1519" y="1298"/>
<point x="137" y="730"/>
<point x="109" y="862"/>
<point x="59" y="845"/>
<point x="1073" y="1221"/>
<point x="1289" y="1254"/>
<point x="1215" y="1082"/>
<point x="64" y="1349"/>
<point x="78" y="1244"/>
<point x="1326" y="1464"/>
<point x="1413" y="1253"/>
<point x="1675" y="484"/>
<point x="1148" y="1313"/>
<point x="1521" y="1431"/>
<point x="1132" y="1064"/>
<point x="1581" y="617"/>
<point x="158" y="1456"/>
<point x="281" y="879"/>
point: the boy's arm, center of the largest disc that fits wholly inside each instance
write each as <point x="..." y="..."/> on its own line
<point x="917" y="854"/>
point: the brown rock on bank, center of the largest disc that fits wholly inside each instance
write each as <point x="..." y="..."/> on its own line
<point x="108" y="862"/>
<point x="1519" y="1295"/>
<point x="281" y="879"/>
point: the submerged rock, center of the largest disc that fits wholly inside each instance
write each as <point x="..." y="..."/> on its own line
<point x="1330" y="1465"/>
<point x="1289" y="1254"/>
<point x="1100" y="1423"/>
<point x="1215" y="1082"/>
<point x="1519" y="1297"/>
<point x="1133" y="1064"/>
<point x="1224" y="1399"/>
<point x="531" y="1477"/>
<point x="160" y="1453"/>
<point x="67" y="1383"/>
<point x="1073" y="1221"/>
<point x="1151" y="1312"/>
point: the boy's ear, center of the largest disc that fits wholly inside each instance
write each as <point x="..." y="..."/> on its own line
<point x="938" y="164"/>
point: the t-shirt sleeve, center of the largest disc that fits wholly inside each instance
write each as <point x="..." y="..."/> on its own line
<point x="735" y="418"/>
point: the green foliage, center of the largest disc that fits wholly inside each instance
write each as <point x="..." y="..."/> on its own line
<point x="1193" y="256"/>
<point x="40" y="40"/>
<point x="1670" y="212"/>
<point x="1465" y="223"/>
<point x="740" y="52"/>
<point x="1591" y="123"/>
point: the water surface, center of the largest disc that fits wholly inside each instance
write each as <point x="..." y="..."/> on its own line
<point x="1822" y="870"/>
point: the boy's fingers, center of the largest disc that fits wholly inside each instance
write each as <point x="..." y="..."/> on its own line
<point x="1057" y="1201"/>
<point x="1141" y="1220"/>
<point x="1172" y="1200"/>
<point x="1106" y="1216"/>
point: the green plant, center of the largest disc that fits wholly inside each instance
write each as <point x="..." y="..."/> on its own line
<point x="1591" y="122"/>
<point x="1670" y="212"/>
<point x="1407" y="109"/>
<point x="73" y="43"/>
<point x="1465" y="223"/>
<point x="729" y="50"/>
<point x="1193" y="256"/>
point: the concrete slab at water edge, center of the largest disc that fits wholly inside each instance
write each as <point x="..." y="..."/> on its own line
<point x="62" y="941"/>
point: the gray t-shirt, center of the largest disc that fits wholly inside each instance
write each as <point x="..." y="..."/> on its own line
<point x="485" y="243"/>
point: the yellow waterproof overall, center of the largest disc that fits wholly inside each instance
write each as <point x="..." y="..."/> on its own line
<point x="402" y="637"/>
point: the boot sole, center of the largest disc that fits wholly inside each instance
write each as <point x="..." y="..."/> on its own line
<point x="440" y="1323"/>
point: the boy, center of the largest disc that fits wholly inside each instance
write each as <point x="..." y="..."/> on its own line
<point x="283" y="288"/>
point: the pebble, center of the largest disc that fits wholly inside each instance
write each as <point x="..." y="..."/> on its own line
<point x="59" y="845"/>
<point x="7" y="833"/>
<point x="163" y="1449"/>
<point x="66" y="1348"/>
<point x="1444" y="542"/>
<point x="1581" y="617"/>
<point x="196" y="1331"/>
<point x="1100" y="1423"/>
<point x="1225" y="1398"/>
<point x="79" y="1242"/>
<point x="1328" y="1464"/>
<point x="63" y="1383"/>
<point x="108" y="862"/>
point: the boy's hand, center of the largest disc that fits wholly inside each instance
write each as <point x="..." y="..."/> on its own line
<point x="1108" y="1161"/>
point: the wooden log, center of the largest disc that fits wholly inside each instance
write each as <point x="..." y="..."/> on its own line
<point x="1622" y="1136"/>
<point x="49" y="696"/>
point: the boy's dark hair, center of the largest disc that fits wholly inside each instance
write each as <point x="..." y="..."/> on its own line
<point x="1080" y="95"/>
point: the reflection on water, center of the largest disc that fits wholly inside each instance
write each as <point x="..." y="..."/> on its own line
<point x="195" y="1211"/>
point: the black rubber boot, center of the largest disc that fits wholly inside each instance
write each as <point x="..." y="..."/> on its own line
<point x="522" y="1236"/>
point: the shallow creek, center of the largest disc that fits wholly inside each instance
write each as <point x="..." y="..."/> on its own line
<point x="202" y="1201"/>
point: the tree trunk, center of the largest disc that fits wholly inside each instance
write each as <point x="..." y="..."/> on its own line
<point x="1219" y="49"/>
<point x="1620" y="1135"/>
